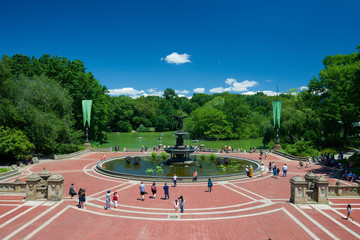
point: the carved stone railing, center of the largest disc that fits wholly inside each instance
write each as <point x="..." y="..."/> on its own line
<point x="13" y="187"/>
<point x="341" y="190"/>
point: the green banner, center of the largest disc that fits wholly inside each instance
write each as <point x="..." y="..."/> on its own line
<point x="86" y="107"/>
<point x="277" y="112"/>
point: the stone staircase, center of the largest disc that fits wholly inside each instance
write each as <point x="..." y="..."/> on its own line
<point x="288" y="156"/>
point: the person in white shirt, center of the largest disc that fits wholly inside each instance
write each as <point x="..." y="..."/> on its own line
<point x="285" y="169"/>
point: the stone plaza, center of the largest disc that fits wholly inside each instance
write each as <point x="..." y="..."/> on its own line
<point x="248" y="208"/>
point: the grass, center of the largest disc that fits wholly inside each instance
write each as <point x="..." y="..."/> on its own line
<point x="138" y="139"/>
<point x="3" y="170"/>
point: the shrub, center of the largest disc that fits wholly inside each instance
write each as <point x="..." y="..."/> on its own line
<point x="163" y="156"/>
<point x="212" y="156"/>
<point x="149" y="171"/>
<point x="202" y="157"/>
<point x="153" y="155"/>
<point x="222" y="168"/>
<point x="159" y="170"/>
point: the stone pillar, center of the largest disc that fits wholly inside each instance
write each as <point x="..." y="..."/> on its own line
<point x="338" y="190"/>
<point x="321" y="190"/>
<point x="202" y="147"/>
<point x="298" y="190"/>
<point x="31" y="186"/>
<point x="55" y="187"/>
<point x="18" y="185"/>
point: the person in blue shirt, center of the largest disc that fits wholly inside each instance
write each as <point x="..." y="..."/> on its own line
<point x="166" y="191"/>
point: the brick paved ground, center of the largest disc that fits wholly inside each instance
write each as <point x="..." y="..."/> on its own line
<point x="256" y="208"/>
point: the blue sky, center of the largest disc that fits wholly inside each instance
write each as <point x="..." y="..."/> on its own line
<point x="143" y="47"/>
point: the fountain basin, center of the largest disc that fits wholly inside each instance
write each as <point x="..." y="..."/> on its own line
<point x="117" y="167"/>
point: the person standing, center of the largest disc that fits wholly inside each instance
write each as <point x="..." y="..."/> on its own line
<point x="274" y="169"/>
<point x="176" y="205"/>
<point x="262" y="169"/>
<point x="348" y="209"/>
<point x="269" y="167"/>
<point x="251" y="171"/>
<point x="166" y="191"/>
<point x="82" y="199"/>
<point x="210" y="184"/>
<point x="247" y="171"/>
<point x="79" y="193"/>
<point x="195" y="176"/>
<point x="153" y="189"/>
<point x="115" y="198"/>
<point x="285" y="169"/>
<point x="107" y="200"/>
<point x="175" y="179"/>
<point x="266" y="153"/>
<point x="181" y="201"/>
<point x="72" y="192"/>
<point x="142" y="190"/>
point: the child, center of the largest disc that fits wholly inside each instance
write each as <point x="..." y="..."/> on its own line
<point x="176" y="205"/>
<point x="115" y="198"/>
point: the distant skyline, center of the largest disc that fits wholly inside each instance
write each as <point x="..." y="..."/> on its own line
<point x="143" y="47"/>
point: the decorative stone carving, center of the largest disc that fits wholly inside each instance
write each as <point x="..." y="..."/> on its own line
<point x="32" y="182"/>
<point x="55" y="187"/>
<point x="45" y="174"/>
<point x="298" y="190"/>
<point x="321" y="189"/>
<point x="310" y="177"/>
<point x="338" y="190"/>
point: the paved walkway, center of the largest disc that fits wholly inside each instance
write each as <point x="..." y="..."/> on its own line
<point x="256" y="208"/>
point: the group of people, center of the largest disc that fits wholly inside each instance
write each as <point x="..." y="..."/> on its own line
<point x="80" y="194"/>
<point x="111" y="198"/>
<point x="276" y="170"/>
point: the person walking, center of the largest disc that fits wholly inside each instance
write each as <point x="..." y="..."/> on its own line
<point x="107" y="200"/>
<point x="285" y="169"/>
<point x="274" y="169"/>
<point x="195" y="176"/>
<point x="72" y="192"/>
<point x="142" y="190"/>
<point x="115" y="198"/>
<point x="175" y="179"/>
<point x="348" y="209"/>
<point x="210" y="184"/>
<point x="166" y="191"/>
<point x="266" y="153"/>
<point x="181" y="201"/>
<point x="277" y="172"/>
<point x="153" y="189"/>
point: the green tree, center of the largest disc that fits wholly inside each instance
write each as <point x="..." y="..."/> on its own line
<point x="334" y="94"/>
<point x="13" y="144"/>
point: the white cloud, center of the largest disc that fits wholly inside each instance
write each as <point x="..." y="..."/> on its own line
<point x="230" y="81"/>
<point x="266" y="92"/>
<point x="302" y="88"/>
<point x="270" y="93"/>
<point x="199" y="90"/>
<point x="235" y="86"/>
<point x="176" y="58"/>
<point x="181" y="95"/>
<point x="181" y="92"/>
<point x="219" y="90"/>
<point x="126" y="91"/>
<point x="153" y="92"/>
<point x="249" y="93"/>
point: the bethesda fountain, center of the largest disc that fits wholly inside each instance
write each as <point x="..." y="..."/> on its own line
<point x="180" y="152"/>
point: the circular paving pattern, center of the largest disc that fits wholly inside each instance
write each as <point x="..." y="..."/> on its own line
<point x="255" y="208"/>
